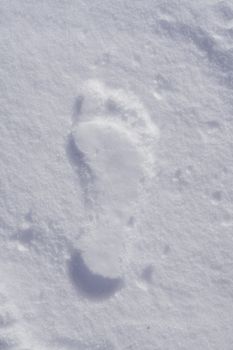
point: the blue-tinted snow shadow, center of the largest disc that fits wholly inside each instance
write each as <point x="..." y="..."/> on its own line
<point x="91" y="285"/>
<point x="77" y="108"/>
<point x="81" y="168"/>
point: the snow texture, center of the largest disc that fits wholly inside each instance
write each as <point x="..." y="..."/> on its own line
<point x="116" y="175"/>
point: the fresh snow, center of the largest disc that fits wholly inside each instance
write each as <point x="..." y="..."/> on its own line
<point x="116" y="175"/>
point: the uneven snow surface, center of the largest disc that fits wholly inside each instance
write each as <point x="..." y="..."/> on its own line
<point x="116" y="175"/>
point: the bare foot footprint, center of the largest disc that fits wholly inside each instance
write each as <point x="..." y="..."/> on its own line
<point x="111" y="147"/>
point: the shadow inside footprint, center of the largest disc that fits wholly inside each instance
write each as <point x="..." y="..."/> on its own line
<point x="93" y="286"/>
<point x="77" y="108"/>
<point x="77" y="160"/>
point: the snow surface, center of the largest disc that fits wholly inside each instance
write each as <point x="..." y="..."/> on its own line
<point x="116" y="175"/>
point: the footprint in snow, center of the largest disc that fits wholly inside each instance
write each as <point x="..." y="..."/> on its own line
<point x="111" y="148"/>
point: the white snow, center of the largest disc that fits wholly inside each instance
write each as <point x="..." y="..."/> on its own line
<point x="116" y="175"/>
